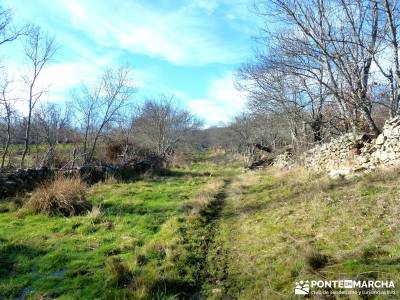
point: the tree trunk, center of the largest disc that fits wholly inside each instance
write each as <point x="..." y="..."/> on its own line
<point x="371" y="123"/>
<point x="3" y="158"/>
<point x="316" y="127"/>
<point x="27" y="137"/>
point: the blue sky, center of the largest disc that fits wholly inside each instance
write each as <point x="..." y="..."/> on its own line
<point x="188" y="48"/>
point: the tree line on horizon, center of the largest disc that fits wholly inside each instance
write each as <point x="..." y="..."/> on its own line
<point x="322" y="68"/>
<point x="102" y="113"/>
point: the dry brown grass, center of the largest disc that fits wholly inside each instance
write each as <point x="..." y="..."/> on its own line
<point x="63" y="195"/>
<point x="95" y="214"/>
<point x="296" y="224"/>
<point x="110" y="179"/>
<point x="296" y="175"/>
<point x="179" y="160"/>
<point x="203" y="198"/>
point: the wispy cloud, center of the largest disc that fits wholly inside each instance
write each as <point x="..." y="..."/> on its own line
<point x="174" y="45"/>
<point x="58" y="80"/>
<point x="224" y="102"/>
<point x="189" y="34"/>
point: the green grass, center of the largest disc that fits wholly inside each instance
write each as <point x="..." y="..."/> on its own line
<point x="207" y="230"/>
<point x="276" y="229"/>
<point x="143" y="244"/>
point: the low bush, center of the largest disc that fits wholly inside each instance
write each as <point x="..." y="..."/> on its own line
<point x="63" y="195"/>
<point x="178" y="160"/>
<point x="114" y="150"/>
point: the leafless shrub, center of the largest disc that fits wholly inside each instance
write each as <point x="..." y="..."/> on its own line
<point x="178" y="160"/>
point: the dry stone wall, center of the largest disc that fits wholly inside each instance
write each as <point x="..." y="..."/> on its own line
<point x="350" y="153"/>
<point x="284" y="160"/>
<point x="25" y="180"/>
<point x="22" y="180"/>
<point x="387" y="144"/>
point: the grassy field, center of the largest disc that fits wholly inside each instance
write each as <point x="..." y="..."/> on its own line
<point x="281" y="227"/>
<point x="209" y="231"/>
<point x="145" y="239"/>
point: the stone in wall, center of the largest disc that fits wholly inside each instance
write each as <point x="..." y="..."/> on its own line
<point x="341" y="153"/>
<point x="388" y="144"/>
<point x="284" y="160"/>
<point x="352" y="153"/>
<point x="22" y="180"/>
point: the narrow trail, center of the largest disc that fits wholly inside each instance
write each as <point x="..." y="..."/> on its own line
<point x="214" y="211"/>
<point x="198" y="233"/>
<point x="221" y="251"/>
<point x="213" y="216"/>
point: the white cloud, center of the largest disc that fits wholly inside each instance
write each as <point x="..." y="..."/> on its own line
<point x="222" y="104"/>
<point x="208" y="5"/>
<point x="196" y="32"/>
<point x="77" y="12"/>
<point x="185" y="36"/>
<point x="57" y="80"/>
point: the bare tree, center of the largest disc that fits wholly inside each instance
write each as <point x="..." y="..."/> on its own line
<point x="390" y="69"/>
<point x="39" y="50"/>
<point x="51" y="119"/>
<point x="339" y="37"/>
<point x="100" y="104"/>
<point x="244" y="127"/>
<point x="7" y="104"/>
<point x="162" y="125"/>
<point x="8" y="32"/>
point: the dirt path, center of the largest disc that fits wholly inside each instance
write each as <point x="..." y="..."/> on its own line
<point x="229" y="233"/>
<point x="210" y="220"/>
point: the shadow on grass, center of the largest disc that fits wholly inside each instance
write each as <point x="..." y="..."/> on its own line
<point x="175" y="288"/>
<point x="11" y="255"/>
<point x="141" y="209"/>
<point x="278" y="194"/>
<point x="184" y="173"/>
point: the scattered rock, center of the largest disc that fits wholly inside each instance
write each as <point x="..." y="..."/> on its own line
<point x="380" y="139"/>
<point x="284" y="160"/>
<point x="339" y="173"/>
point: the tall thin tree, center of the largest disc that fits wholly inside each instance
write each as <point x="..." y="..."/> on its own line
<point x="39" y="50"/>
